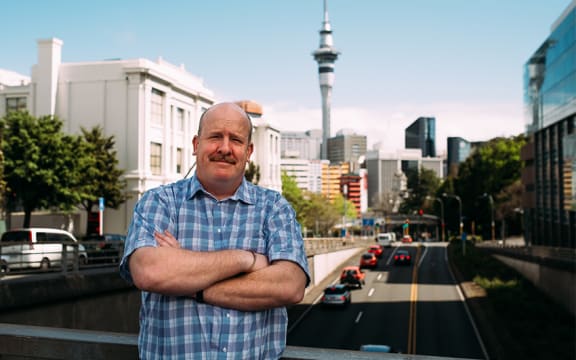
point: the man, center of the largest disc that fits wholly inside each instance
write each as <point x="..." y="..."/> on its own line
<point x="216" y="257"/>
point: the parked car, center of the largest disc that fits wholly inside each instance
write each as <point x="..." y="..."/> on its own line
<point x="337" y="294"/>
<point x="402" y="257"/>
<point x="368" y="260"/>
<point x="352" y="276"/>
<point x="39" y="248"/>
<point x="376" y="250"/>
<point x="107" y="248"/>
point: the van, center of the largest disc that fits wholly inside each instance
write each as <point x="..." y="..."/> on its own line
<point x="385" y="239"/>
<point x="40" y="248"/>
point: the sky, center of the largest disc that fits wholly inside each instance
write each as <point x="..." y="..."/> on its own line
<point x="459" y="61"/>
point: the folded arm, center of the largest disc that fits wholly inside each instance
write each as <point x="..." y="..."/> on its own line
<point x="170" y="270"/>
<point x="280" y="284"/>
<point x="236" y="279"/>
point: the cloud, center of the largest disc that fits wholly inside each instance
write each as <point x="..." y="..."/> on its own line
<point x="386" y="124"/>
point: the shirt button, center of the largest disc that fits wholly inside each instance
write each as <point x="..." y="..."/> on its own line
<point x="219" y="230"/>
<point x="224" y="349"/>
<point x="228" y="315"/>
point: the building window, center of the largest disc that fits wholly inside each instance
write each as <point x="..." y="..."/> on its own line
<point x="15" y="104"/>
<point x="178" y="160"/>
<point x="156" y="158"/>
<point x="157" y="108"/>
<point x="179" y="119"/>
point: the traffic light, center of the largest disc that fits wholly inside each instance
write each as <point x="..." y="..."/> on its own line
<point x="420" y="212"/>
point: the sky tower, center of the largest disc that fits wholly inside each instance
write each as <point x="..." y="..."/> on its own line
<point x="326" y="56"/>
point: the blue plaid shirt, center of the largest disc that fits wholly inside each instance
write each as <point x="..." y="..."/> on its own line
<point x="254" y="218"/>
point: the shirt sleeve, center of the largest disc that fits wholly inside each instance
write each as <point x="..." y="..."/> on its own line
<point x="151" y="214"/>
<point x="285" y="236"/>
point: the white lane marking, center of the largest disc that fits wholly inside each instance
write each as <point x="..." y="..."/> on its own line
<point x="358" y="317"/>
<point x="379" y="276"/>
<point x="371" y="292"/>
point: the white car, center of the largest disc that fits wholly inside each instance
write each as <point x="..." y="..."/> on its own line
<point x="385" y="239"/>
<point x="39" y="248"/>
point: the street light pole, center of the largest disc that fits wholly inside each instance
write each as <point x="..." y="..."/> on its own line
<point x="345" y="193"/>
<point x="492" y="223"/>
<point x="442" y="235"/>
<point x="460" y="224"/>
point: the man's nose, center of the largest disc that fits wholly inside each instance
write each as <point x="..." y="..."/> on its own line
<point x="224" y="145"/>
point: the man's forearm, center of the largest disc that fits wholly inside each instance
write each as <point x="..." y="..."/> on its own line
<point x="179" y="272"/>
<point x="280" y="284"/>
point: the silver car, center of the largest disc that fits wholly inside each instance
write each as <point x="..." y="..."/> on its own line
<point x="337" y="294"/>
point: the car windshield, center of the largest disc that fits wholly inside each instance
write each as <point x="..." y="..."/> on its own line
<point x="367" y="256"/>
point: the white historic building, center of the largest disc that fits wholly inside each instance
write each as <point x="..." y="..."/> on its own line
<point x="151" y="108"/>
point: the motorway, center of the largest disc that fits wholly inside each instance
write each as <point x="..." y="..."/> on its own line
<point x="417" y="309"/>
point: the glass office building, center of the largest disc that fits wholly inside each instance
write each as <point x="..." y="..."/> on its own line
<point x="549" y="176"/>
<point x="421" y="134"/>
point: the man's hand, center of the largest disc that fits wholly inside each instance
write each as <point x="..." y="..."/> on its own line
<point x="166" y="239"/>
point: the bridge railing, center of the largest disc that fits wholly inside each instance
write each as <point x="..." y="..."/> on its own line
<point x="36" y="342"/>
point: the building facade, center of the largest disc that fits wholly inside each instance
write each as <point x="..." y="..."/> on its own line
<point x="301" y="144"/>
<point x="458" y="149"/>
<point x="421" y="134"/>
<point x="347" y="146"/>
<point x="549" y="176"/>
<point x="387" y="180"/>
<point x="151" y="108"/>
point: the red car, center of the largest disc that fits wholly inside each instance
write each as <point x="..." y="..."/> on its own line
<point x="368" y="260"/>
<point x="407" y="239"/>
<point x="352" y="276"/>
<point x="402" y="257"/>
<point x="376" y="250"/>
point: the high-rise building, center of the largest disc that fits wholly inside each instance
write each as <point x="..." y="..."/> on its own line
<point x="549" y="176"/>
<point x="421" y="134"/>
<point x="387" y="180"/>
<point x="347" y="146"/>
<point x="301" y="144"/>
<point x="326" y="56"/>
<point x="458" y="150"/>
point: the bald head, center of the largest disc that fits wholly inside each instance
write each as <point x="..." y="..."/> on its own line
<point x="222" y="108"/>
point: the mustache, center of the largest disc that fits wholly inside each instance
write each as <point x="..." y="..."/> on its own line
<point x="224" y="158"/>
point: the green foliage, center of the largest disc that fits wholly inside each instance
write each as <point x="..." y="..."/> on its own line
<point x="421" y="183"/>
<point x="101" y="177"/>
<point x="313" y="211"/>
<point x="494" y="169"/>
<point x="320" y="214"/>
<point x="347" y="206"/>
<point x="41" y="166"/>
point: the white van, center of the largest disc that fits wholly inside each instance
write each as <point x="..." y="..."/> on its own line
<point x="38" y="248"/>
<point x="385" y="239"/>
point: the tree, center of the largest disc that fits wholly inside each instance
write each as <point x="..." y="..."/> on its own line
<point x="252" y="173"/>
<point x="350" y="208"/>
<point x="102" y="177"/>
<point x="41" y="164"/>
<point x="293" y="194"/>
<point x="313" y="211"/>
<point x="421" y="184"/>
<point x="491" y="168"/>
<point x="320" y="214"/>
